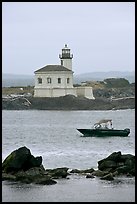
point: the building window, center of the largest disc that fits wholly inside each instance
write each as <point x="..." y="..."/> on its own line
<point x="49" y="80"/>
<point x="59" y="80"/>
<point x="39" y="80"/>
<point x="67" y="80"/>
<point x="62" y="62"/>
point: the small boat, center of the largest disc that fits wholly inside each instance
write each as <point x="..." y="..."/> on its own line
<point x="104" y="128"/>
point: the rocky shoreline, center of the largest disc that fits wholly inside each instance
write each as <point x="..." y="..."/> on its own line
<point x="68" y="102"/>
<point x="22" y="166"/>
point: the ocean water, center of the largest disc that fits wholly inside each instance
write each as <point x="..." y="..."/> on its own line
<point x="53" y="135"/>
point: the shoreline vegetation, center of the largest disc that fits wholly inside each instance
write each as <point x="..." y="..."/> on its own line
<point x="68" y="102"/>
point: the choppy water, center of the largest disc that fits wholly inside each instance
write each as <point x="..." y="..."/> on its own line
<point x="53" y="135"/>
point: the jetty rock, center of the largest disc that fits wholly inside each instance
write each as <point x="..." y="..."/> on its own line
<point x="117" y="163"/>
<point x="20" y="159"/>
<point x="22" y="166"/>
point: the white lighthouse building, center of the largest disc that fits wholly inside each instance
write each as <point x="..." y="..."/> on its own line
<point x="66" y="57"/>
<point x="57" y="80"/>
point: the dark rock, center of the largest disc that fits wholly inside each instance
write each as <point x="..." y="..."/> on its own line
<point x="15" y="161"/>
<point x="130" y="162"/>
<point x="45" y="181"/>
<point x="82" y="171"/>
<point x="122" y="169"/>
<point x="115" y="156"/>
<point x="32" y="172"/>
<point x="123" y="164"/>
<point x="132" y="172"/>
<point x="8" y="177"/>
<point x="108" y="177"/>
<point x="90" y="176"/>
<point x="33" y="162"/>
<point x="22" y="166"/>
<point x="20" y="159"/>
<point x="99" y="173"/>
<point x="107" y="164"/>
<point x="35" y="175"/>
<point x="126" y="170"/>
<point x="115" y="173"/>
<point x="87" y="170"/>
<point x="114" y="92"/>
<point x="125" y="157"/>
<point x="75" y="171"/>
<point x="58" y="172"/>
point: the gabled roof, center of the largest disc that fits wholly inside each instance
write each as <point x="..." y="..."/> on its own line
<point x="53" y="68"/>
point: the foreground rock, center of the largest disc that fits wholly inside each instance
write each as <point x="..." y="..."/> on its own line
<point x="115" y="164"/>
<point x="22" y="166"/>
<point x="20" y="159"/>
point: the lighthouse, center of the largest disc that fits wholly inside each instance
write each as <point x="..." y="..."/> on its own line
<point x="66" y="57"/>
<point x="57" y="80"/>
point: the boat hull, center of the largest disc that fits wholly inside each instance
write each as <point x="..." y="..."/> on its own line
<point x="104" y="132"/>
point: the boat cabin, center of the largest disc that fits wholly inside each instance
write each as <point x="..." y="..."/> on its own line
<point x="103" y="124"/>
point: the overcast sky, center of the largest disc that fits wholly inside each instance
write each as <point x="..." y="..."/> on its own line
<point x="101" y="35"/>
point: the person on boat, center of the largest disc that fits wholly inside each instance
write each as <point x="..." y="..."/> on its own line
<point x="106" y="126"/>
<point x="111" y="124"/>
<point x="97" y="125"/>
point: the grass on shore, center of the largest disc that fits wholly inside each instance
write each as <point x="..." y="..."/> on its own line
<point x="17" y="90"/>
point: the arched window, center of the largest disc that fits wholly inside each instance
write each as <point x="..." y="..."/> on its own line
<point x="59" y="80"/>
<point x="39" y="80"/>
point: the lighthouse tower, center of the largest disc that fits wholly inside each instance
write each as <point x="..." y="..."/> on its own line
<point x="66" y="57"/>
